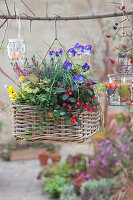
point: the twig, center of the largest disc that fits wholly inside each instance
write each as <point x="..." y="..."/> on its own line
<point x="14" y="9"/>
<point x="3" y="23"/>
<point x="43" y="18"/>
<point x="28" y="7"/>
<point x="47" y="9"/>
<point x="7" y="8"/>
<point x="4" y="34"/>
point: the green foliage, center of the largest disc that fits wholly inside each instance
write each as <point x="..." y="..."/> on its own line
<point x="54" y="186"/>
<point x="68" y="193"/>
<point x="98" y="190"/>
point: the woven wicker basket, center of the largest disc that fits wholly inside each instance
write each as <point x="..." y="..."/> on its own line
<point x="24" y="116"/>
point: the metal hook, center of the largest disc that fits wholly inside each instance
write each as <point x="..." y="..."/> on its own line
<point x="55" y="29"/>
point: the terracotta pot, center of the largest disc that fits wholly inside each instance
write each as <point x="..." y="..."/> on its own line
<point x="43" y="157"/>
<point x="55" y="157"/>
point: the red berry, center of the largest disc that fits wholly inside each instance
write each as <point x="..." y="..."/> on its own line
<point x="65" y="92"/>
<point x="68" y="90"/>
<point x="124" y="45"/>
<point x="108" y="36"/>
<point x="64" y="104"/>
<point x="129" y="103"/>
<point x="131" y="61"/>
<point x="74" y="116"/>
<point x="86" y="83"/>
<point x="94" y="97"/>
<point x="91" y="87"/>
<point x="123" y="8"/>
<point x="48" y="113"/>
<point x="84" y="107"/>
<point x="112" y="61"/>
<point x="62" y="86"/>
<point x="89" y="109"/>
<point x="77" y="99"/>
<point x="73" y="121"/>
<point x="69" y="106"/>
<point x="124" y="100"/>
<point x="89" y="99"/>
<point x="58" y="84"/>
<point x="86" y="103"/>
<point x="78" y="104"/>
<point x="70" y="93"/>
<point x="94" y="108"/>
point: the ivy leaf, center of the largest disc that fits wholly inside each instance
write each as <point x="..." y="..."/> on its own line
<point x="60" y="90"/>
<point x="90" y="92"/>
<point x="79" y="122"/>
<point x="65" y="97"/>
<point x="56" y="113"/>
<point x="72" y="99"/>
<point x="96" y="110"/>
<point x="67" y="116"/>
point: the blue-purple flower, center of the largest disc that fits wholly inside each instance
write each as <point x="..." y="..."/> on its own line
<point x="67" y="65"/>
<point x="57" y="54"/>
<point x="79" y="49"/>
<point x="51" y="53"/>
<point x="71" y="52"/>
<point x="78" y="79"/>
<point x="85" y="67"/>
<point x="87" y="50"/>
<point x="90" y="82"/>
<point x="60" y="51"/>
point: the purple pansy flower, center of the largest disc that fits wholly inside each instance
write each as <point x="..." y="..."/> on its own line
<point x="57" y="54"/>
<point x="67" y="65"/>
<point x="79" y="49"/>
<point x="51" y="53"/>
<point x="85" y="67"/>
<point x="71" y="52"/>
<point x="87" y="50"/>
<point x="60" y="51"/>
<point x="90" y="82"/>
<point x="93" y="163"/>
<point x="79" y="79"/>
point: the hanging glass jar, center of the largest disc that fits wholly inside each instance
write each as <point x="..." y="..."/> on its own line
<point x="16" y="49"/>
<point x="119" y="89"/>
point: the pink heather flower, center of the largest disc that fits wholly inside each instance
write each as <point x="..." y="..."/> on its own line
<point x="93" y="163"/>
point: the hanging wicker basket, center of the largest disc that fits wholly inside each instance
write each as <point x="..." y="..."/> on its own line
<point x="24" y="116"/>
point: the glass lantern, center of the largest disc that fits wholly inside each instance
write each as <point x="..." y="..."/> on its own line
<point x="16" y="49"/>
<point x="120" y="89"/>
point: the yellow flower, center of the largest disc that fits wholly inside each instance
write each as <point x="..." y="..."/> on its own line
<point x="21" y="78"/>
<point x="22" y="94"/>
<point x="10" y="89"/>
<point x="13" y="96"/>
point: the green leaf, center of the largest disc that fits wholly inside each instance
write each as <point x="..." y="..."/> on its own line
<point x="54" y="100"/>
<point x="96" y="110"/>
<point x="74" y="87"/>
<point x="60" y="90"/>
<point x="67" y="116"/>
<point x="62" y="113"/>
<point x="51" y="115"/>
<point x="80" y="111"/>
<point x="65" y="96"/>
<point x="95" y="102"/>
<point x="19" y="110"/>
<point x="90" y="106"/>
<point x="72" y="100"/>
<point x="90" y="92"/>
<point x="68" y="121"/>
<point x="79" y="122"/>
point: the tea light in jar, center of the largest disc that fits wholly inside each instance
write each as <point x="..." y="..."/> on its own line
<point x="125" y="90"/>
